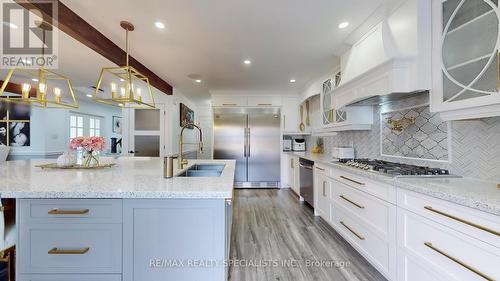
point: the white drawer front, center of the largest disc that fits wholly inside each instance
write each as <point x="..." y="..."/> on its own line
<point x="322" y="169"/>
<point x="447" y="249"/>
<point x="381" y="190"/>
<point x="93" y="248"/>
<point x="65" y="277"/>
<point x="480" y="225"/>
<point x="375" y="249"/>
<point x="413" y="269"/>
<point x="71" y="211"/>
<point x="377" y="214"/>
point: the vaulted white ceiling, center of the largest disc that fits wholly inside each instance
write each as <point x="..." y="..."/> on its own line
<point x="284" y="39"/>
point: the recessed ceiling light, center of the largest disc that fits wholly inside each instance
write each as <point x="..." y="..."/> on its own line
<point x="9" y="24"/>
<point x="122" y="80"/>
<point x="159" y="25"/>
<point x="197" y="80"/>
<point x="247" y="62"/>
<point x="293" y="80"/>
<point x="343" y="25"/>
<point x="34" y="80"/>
<point x="89" y="95"/>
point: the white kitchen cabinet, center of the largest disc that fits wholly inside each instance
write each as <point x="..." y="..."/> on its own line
<point x="451" y="254"/>
<point x="229" y="100"/>
<point x="264" y="100"/>
<point x="465" y="53"/>
<point x="296" y="175"/>
<point x="290" y="115"/>
<point x="335" y="119"/>
<point x="152" y="231"/>
<point x="286" y="171"/>
<point x="381" y="190"/>
<point x="69" y="236"/>
<point x="378" y="250"/>
<point x="322" y="192"/>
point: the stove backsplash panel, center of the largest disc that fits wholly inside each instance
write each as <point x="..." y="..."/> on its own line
<point x="474" y="144"/>
<point x="425" y="137"/>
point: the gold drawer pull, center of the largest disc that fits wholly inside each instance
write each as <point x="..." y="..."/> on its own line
<point x="57" y="251"/>
<point x="68" y="212"/>
<point x="355" y="204"/>
<point x="352" y="231"/>
<point x="324" y="188"/>
<point x="321" y="169"/>
<point x="229" y="104"/>
<point x="265" y="104"/>
<point x="351" y="180"/>
<point x="429" y="244"/>
<point x="429" y="208"/>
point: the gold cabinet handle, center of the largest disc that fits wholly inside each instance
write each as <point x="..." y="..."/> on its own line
<point x="284" y="122"/>
<point x="324" y="188"/>
<point x="348" y="200"/>
<point x="351" y="180"/>
<point x="264" y="104"/>
<point x="321" y="169"/>
<point x="429" y="245"/>
<point x="352" y="231"/>
<point x="429" y="208"/>
<point x="58" y="251"/>
<point x="68" y="212"/>
<point x="229" y="104"/>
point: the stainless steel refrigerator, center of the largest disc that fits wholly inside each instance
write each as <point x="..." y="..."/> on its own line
<point x="251" y="136"/>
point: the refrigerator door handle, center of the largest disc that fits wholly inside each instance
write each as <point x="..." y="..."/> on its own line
<point x="248" y="140"/>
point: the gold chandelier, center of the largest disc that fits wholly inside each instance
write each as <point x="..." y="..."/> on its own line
<point x="40" y="87"/>
<point x="124" y="86"/>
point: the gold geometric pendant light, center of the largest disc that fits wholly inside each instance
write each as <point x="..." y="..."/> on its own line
<point x="40" y="87"/>
<point x="124" y="86"/>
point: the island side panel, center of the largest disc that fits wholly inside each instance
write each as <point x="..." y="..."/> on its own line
<point x="174" y="239"/>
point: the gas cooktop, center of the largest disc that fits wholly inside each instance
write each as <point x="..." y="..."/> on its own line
<point x="393" y="168"/>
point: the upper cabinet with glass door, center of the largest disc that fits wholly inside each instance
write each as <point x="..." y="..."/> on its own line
<point x="466" y="58"/>
<point x="350" y="118"/>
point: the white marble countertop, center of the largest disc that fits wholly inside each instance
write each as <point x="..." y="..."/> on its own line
<point x="474" y="193"/>
<point x="140" y="177"/>
<point x="328" y="160"/>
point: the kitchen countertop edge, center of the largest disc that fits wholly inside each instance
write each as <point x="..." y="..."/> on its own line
<point x="474" y="202"/>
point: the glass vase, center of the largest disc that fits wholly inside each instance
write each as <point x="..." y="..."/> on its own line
<point x="90" y="159"/>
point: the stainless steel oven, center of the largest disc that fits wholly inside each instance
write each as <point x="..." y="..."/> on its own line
<point x="306" y="180"/>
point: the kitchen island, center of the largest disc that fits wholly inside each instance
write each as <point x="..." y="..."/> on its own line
<point x="122" y="223"/>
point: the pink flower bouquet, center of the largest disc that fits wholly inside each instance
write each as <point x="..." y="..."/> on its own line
<point x="91" y="146"/>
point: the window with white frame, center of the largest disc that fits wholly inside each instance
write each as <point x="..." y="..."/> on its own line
<point x="94" y="127"/>
<point x="85" y="125"/>
<point x="75" y="126"/>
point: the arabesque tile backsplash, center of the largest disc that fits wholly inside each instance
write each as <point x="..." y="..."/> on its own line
<point x="474" y="149"/>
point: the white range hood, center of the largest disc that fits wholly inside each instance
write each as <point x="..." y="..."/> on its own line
<point x="391" y="61"/>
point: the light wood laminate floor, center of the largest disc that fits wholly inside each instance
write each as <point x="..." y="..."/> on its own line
<point x="275" y="237"/>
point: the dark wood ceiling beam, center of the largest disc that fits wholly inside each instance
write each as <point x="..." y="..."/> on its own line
<point x="17" y="89"/>
<point x="75" y="26"/>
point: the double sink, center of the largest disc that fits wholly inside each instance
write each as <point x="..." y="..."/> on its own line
<point x="203" y="170"/>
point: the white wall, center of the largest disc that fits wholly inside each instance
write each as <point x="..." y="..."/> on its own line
<point x="189" y="135"/>
<point x="49" y="129"/>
